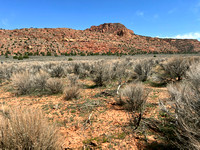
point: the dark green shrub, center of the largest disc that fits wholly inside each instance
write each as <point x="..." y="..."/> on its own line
<point x="20" y="58"/>
<point x="15" y="57"/>
<point x="6" y="55"/>
<point x="70" y="59"/>
<point x="48" y="53"/>
<point x="30" y="54"/>
<point x="42" y="53"/>
<point x="66" y="54"/>
<point x="25" y="56"/>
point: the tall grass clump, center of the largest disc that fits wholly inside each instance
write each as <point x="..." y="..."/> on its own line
<point x="22" y="82"/>
<point x="28" y="129"/>
<point x="71" y="92"/>
<point x="134" y="97"/>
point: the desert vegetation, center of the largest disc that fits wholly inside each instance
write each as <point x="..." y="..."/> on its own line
<point x="126" y="103"/>
<point x="27" y="129"/>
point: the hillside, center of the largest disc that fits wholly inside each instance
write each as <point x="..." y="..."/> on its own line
<point x="108" y="37"/>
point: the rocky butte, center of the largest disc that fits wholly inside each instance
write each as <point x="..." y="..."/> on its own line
<point x="107" y="37"/>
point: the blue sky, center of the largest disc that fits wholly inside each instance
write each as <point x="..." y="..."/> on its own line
<point x="162" y="18"/>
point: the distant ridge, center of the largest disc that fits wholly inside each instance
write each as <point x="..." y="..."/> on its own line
<point x="105" y="38"/>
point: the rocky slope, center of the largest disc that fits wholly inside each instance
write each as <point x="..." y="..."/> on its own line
<point x="108" y="37"/>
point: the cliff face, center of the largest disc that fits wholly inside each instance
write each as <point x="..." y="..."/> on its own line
<point x="113" y="37"/>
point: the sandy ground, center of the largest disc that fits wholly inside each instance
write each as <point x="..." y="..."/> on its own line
<point x="93" y="121"/>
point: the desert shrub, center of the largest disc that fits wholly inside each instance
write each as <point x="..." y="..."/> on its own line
<point x="143" y="68"/>
<point x="6" y="55"/>
<point x="35" y="69"/>
<point x="134" y="95"/>
<point x="73" y="80"/>
<point x="77" y="69"/>
<point x="121" y="70"/>
<point x="27" y="83"/>
<point x="71" y="92"/>
<point x="82" y="70"/>
<point x="186" y="98"/>
<point x="102" y="73"/>
<point x="39" y="81"/>
<point x="20" y="58"/>
<point x="28" y="129"/>
<point x="56" y="55"/>
<point x="7" y="70"/>
<point x="70" y="59"/>
<point x="25" y="56"/>
<point x="22" y="82"/>
<point x="193" y="75"/>
<point x="175" y="68"/>
<point x="187" y="110"/>
<point x="54" y="85"/>
<point x="15" y="57"/>
<point x="48" y="53"/>
<point x="57" y="71"/>
<point x="134" y="98"/>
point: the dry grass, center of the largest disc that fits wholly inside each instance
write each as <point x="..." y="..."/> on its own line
<point x="54" y="86"/>
<point x="80" y="122"/>
<point x="22" y="83"/>
<point x="134" y="96"/>
<point x="71" y="92"/>
<point x="28" y="129"/>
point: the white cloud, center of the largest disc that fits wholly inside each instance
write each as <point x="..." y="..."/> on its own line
<point x="140" y="13"/>
<point x="191" y="35"/>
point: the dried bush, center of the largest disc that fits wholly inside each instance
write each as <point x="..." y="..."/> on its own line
<point x="28" y="129"/>
<point x="186" y="98"/>
<point x="22" y="83"/>
<point x="40" y="81"/>
<point x="57" y="71"/>
<point x="143" y="68"/>
<point x="71" y="92"/>
<point x="193" y="75"/>
<point x="73" y="79"/>
<point x="102" y="73"/>
<point x="82" y="70"/>
<point x="54" y="86"/>
<point x="35" y="69"/>
<point x="134" y="95"/>
<point x="134" y="98"/>
<point x="7" y="70"/>
<point x="175" y="68"/>
<point x="26" y="83"/>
